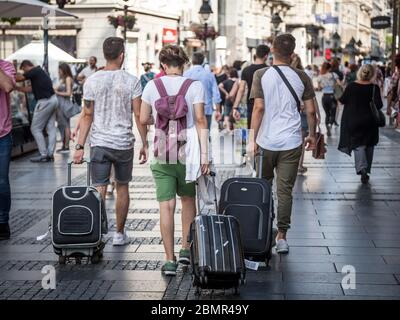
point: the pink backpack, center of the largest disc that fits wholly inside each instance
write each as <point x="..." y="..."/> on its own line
<point x="170" y="122"/>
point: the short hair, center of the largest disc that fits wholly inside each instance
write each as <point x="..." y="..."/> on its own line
<point x="366" y="72"/>
<point x="284" y="45"/>
<point x="262" y="51"/>
<point x="237" y="64"/>
<point x="233" y="73"/>
<point x="26" y="63"/>
<point x="94" y="58"/>
<point x="113" y="47"/>
<point x="173" y="56"/>
<point x="198" y="58"/>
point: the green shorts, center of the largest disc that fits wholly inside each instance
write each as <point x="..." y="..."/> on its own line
<point x="170" y="181"/>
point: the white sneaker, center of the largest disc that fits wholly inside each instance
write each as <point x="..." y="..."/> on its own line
<point x="120" y="239"/>
<point x="282" y="246"/>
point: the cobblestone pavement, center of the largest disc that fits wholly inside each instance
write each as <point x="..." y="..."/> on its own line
<point x="336" y="222"/>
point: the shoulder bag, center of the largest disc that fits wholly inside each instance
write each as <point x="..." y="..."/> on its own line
<point x="377" y="114"/>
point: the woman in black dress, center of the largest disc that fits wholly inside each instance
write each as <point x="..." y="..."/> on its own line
<point x="359" y="132"/>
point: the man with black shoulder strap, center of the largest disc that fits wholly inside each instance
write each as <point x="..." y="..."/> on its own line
<point x="276" y="126"/>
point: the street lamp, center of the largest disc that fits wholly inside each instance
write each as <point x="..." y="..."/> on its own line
<point x="276" y="20"/>
<point x="205" y="13"/>
<point x="125" y="17"/>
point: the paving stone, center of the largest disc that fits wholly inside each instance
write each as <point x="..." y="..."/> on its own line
<point x="321" y="277"/>
<point x="364" y="251"/>
<point x="134" y="296"/>
<point x="305" y="267"/>
<point x="312" y="288"/>
<point x="374" y="290"/>
<point x="348" y="259"/>
<point x="372" y="268"/>
<point x="138" y="285"/>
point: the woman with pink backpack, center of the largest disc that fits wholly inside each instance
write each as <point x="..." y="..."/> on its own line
<point x="175" y="105"/>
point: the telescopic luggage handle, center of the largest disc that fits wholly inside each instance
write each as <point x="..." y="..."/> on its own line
<point x="260" y="155"/>
<point x="212" y="174"/>
<point x="69" y="181"/>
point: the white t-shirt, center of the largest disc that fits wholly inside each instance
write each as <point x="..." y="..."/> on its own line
<point x="112" y="93"/>
<point x="87" y="72"/>
<point x="194" y="95"/>
<point x="280" y="128"/>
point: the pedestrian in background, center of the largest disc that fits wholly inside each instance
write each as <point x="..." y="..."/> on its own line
<point x="44" y="115"/>
<point x="276" y="125"/>
<point x="297" y="64"/>
<point x="246" y="82"/>
<point x="90" y="69"/>
<point x="64" y="96"/>
<point x="111" y="98"/>
<point x="359" y="132"/>
<point x="229" y="89"/>
<point x="170" y="176"/>
<point x="148" y="74"/>
<point x="326" y="83"/>
<point x="212" y="95"/>
<point x="351" y="75"/>
<point x="7" y="84"/>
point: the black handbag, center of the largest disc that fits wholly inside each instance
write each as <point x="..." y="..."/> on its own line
<point x="377" y="114"/>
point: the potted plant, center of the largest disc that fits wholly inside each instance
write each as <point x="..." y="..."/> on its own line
<point x="120" y="21"/>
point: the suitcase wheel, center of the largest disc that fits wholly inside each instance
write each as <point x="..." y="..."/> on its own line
<point x="96" y="257"/>
<point x="62" y="260"/>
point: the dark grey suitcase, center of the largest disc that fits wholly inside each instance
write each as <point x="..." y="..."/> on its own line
<point x="78" y="221"/>
<point x="250" y="201"/>
<point x="216" y="252"/>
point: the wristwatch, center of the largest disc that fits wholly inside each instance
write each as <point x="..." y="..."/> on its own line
<point x="79" y="147"/>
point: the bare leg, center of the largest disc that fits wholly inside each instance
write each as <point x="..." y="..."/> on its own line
<point x="121" y="205"/>
<point x="167" y="226"/>
<point x="188" y="214"/>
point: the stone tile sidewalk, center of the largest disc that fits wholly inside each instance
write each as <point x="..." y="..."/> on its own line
<point x="336" y="222"/>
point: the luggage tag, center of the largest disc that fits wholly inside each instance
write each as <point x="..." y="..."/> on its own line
<point x="252" y="265"/>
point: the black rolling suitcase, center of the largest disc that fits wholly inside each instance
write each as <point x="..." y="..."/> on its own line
<point x="78" y="221"/>
<point x="250" y="201"/>
<point x="216" y="252"/>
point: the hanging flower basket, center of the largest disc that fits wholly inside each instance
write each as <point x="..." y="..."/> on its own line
<point x="201" y="34"/>
<point x="120" y="21"/>
<point x="11" y="21"/>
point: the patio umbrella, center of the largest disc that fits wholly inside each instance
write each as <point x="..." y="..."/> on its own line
<point x="33" y="8"/>
<point x="34" y="49"/>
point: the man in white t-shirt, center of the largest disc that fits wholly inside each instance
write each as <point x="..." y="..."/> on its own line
<point x="276" y="125"/>
<point x="88" y="70"/>
<point x="111" y="96"/>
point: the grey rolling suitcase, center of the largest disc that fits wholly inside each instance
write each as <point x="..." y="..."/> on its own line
<point x="78" y="221"/>
<point x="250" y="201"/>
<point x="216" y="252"/>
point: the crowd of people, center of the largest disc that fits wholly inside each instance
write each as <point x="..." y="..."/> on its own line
<point x="279" y="102"/>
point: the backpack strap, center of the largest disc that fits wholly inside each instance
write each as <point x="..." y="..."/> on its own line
<point x="289" y="86"/>
<point x="185" y="87"/>
<point x="160" y="88"/>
